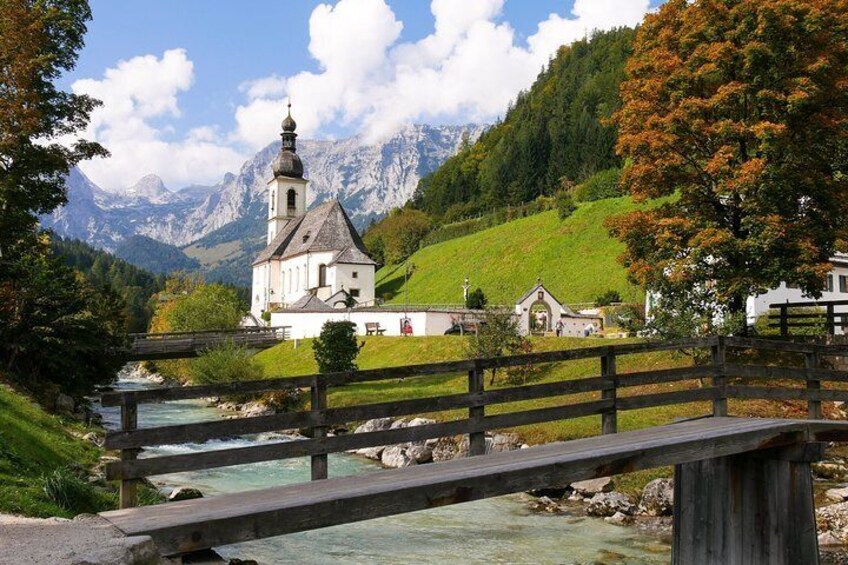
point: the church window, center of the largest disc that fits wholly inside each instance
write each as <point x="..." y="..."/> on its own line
<point x="306" y="236"/>
<point x="322" y="275"/>
<point x="272" y="200"/>
<point x="297" y="278"/>
<point x="354" y="292"/>
<point x="356" y="274"/>
<point x="290" y="280"/>
<point x="291" y="198"/>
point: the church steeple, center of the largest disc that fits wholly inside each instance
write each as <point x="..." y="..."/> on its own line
<point x="288" y="163"/>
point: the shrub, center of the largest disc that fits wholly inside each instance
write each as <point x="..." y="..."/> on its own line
<point x="565" y="204"/>
<point x="631" y="317"/>
<point x="266" y="315"/>
<point x="607" y="298"/>
<point x="476" y="300"/>
<point x="603" y="184"/>
<point x="225" y="363"/>
<point x="335" y="350"/>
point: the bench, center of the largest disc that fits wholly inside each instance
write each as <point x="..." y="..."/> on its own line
<point x="373" y="328"/>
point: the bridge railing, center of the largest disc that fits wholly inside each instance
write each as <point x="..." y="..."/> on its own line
<point x="188" y="344"/>
<point x="613" y="392"/>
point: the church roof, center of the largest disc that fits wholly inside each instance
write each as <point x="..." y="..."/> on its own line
<point x="310" y="302"/>
<point x="324" y="228"/>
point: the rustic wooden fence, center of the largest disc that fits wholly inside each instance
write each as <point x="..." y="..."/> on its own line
<point x="616" y="393"/>
<point x="171" y="345"/>
<point x="821" y="315"/>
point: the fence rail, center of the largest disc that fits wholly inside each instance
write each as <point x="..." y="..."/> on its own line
<point x="172" y="345"/>
<point x="614" y="388"/>
<point x="818" y="314"/>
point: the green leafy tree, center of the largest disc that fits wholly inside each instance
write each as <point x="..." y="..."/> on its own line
<point x="739" y="109"/>
<point x="336" y="349"/>
<point x="497" y="335"/>
<point x="397" y="236"/>
<point x="607" y="298"/>
<point x="565" y="204"/>
<point x="227" y="363"/>
<point x="476" y="299"/>
<point x="207" y="307"/>
<point x="39" y="41"/>
<point x="603" y="184"/>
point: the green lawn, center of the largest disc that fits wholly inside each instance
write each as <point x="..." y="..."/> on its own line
<point x="576" y="259"/>
<point x="32" y="445"/>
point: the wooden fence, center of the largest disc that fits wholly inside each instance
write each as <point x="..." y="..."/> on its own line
<point x="726" y="380"/>
<point x="813" y="314"/>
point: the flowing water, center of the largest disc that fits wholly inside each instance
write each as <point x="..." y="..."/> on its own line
<point x="498" y="530"/>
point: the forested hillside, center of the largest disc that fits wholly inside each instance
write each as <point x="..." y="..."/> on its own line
<point x="553" y="137"/>
<point x="101" y="269"/>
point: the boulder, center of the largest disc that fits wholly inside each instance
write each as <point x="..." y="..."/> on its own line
<point x="827" y="538"/>
<point x="375" y="453"/>
<point x="834" y="470"/>
<point x="833" y="519"/>
<point x="257" y="408"/>
<point x="618" y="518"/>
<point x="133" y="550"/>
<point x="65" y="403"/>
<point x="502" y="442"/>
<point x="657" y="498"/>
<point x="396" y="456"/>
<point x="592" y="487"/>
<point x="837" y="494"/>
<point x="398" y="424"/>
<point x="375" y="425"/>
<point x="420" y="422"/>
<point x="545" y="504"/>
<point x="419" y="453"/>
<point x="608" y="503"/>
<point x="184" y="493"/>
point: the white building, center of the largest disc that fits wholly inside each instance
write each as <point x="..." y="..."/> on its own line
<point x="310" y="254"/>
<point x="540" y="312"/>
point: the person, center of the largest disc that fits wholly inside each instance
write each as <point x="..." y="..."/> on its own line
<point x="559" y="326"/>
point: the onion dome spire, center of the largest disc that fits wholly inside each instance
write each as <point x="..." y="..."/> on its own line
<point x="288" y="163"/>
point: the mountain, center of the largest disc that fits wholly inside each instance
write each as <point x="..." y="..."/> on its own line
<point x="224" y="225"/>
<point x="576" y="258"/>
<point x="154" y="256"/>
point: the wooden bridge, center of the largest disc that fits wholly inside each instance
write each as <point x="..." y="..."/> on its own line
<point x="180" y="345"/>
<point x="743" y="489"/>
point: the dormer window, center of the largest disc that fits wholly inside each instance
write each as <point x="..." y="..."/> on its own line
<point x="306" y="237"/>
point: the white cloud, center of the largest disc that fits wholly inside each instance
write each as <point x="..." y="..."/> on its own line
<point x="468" y="69"/>
<point x="135" y="93"/>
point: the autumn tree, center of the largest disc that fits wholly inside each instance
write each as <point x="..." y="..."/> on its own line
<point x="736" y="112"/>
<point x="39" y="40"/>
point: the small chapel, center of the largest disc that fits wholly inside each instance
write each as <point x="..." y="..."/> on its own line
<point x="314" y="259"/>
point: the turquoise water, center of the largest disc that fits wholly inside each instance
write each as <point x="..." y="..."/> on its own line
<point x="499" y="530"/>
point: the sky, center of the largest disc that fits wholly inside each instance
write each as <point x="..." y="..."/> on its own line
<point x="193" y="88"/>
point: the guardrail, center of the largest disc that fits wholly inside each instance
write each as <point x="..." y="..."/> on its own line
<point x="819" y="314"/>
<point x="609" y="383"/>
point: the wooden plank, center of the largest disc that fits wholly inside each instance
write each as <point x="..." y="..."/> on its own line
<point x="717" y="356"/>
<point x="128" y="490"/>
<point x="476" y="412"/>
<point x="767" y="344"/>
<point x="202" y="523"/>
<point x="809" y="304"/>
<point x="253" y="454"/>
<point x="202" y="431"/>
<point x="664" y="375"/>
<point x="814" y="407"/>
<point x="318" y="405"/>
<point x="665" y="398"/>
<point x="769" y="393"/>
<point x="609" y="419"/>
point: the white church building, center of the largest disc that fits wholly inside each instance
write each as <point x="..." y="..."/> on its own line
<point x="315" y="254"/>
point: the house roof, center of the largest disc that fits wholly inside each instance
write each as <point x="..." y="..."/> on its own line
<point x="538" y="287"/>
<point x="324" y="228"/>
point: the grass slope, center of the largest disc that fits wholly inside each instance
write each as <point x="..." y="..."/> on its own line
<point x="576" y="259"/>
<point x="33" y="444"/>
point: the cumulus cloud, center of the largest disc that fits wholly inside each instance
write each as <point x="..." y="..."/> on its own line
<point x="137" y="93"/>
<point x="468" y="69"/>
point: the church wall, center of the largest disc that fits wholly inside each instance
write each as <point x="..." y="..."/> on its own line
<point x="342" y="274"/>
<point x="308" y="324"/>
<point x="259" y="290"/>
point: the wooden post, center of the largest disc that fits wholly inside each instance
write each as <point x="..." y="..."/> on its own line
<point x="784" y="320"/>
<point x="814" y="407"/>
<point x="609" y="420"/>
<point x="318" y="405"/>
<point x="754" y="508"/>
<point x="831" y="320"/>
<point x="720" y="379"/>
<point x="476" y="440"/>
<point x="128" y="495"/>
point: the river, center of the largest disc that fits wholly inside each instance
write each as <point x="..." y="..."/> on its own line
<point x="498" y="530"/>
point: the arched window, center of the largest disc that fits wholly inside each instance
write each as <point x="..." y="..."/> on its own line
<point x="290" y="280"/>
<point x="322" y="275"/>
<point x="297" y="278"/>
<point x="273" y="198"/>
<point x="291" y="199"/>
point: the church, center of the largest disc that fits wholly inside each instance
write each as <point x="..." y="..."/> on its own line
<point x="314" y="259"/>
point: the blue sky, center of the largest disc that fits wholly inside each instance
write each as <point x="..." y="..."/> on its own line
<point x="191" y="88"/>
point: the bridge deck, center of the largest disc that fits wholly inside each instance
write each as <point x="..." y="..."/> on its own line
<point x="180" y="527"/>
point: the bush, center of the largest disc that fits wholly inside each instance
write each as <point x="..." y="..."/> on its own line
<point x="476" y="300"/>
<point x="565" y="204"/>
<point x="266" y="316"/>
<point x="335" y="350"/>
<point x="631" y="318"/>
<point x="608" y="298"/>
<point x="603" y="184"/>
<point x="226" y="363"/>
